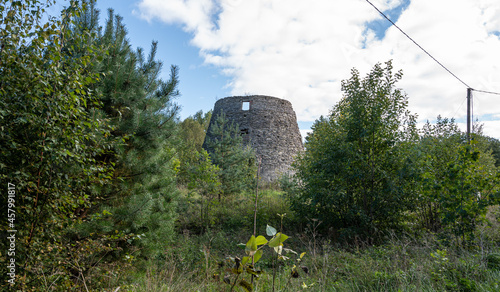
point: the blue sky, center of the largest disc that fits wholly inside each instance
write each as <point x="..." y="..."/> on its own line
<point x="379" y="26"/>
<point x="200" y="84"/>
<point x="301" y="50"/>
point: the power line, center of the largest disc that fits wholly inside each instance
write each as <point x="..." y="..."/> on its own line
<point x="484" y="91"/>
<point x="459" y="108"/>
<point x="469" y="89"/>
<point x="418" y="44"/>
<point x="456" y="77"/>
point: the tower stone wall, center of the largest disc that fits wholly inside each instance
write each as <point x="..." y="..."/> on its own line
<point x="269" y="125"/>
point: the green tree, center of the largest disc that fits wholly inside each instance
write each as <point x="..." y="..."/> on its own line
<point x="356" y="172"/>
<point x="458" y="181"/>
<point x="236" y="162"/>
<point x="191" y="136"/>
<point x="193" y="130"/>
<point x="139" y="105"/>
<point x="203" y="177"/>
<point x="439" y="144"/>
<point x="494" y="146"/>
<point x="50" y="143"/>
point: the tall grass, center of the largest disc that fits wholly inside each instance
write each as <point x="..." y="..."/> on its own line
<point x="401" y="265"/>
<point x="196" y="261"/>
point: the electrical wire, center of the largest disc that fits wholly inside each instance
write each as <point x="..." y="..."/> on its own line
<point x="459" y="108"/>
<point x="484" y="91"/>
<point x="456" y="77"/>
<point x="418" y="44"/>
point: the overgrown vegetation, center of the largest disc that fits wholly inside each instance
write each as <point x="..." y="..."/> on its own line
<point x="409" y="262"/>
<point x="366" y="168"/>
<point x="51" y="143"/>
<point x="236" y="162"/>
<point x="113" y="191"/>
<point x="355" y="171"/>
<point x="139" y="106"/>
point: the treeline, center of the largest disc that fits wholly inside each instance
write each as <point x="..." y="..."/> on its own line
<point x="94" y="160"/>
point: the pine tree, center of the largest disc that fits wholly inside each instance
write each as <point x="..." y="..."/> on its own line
<point x="140" y="108"/>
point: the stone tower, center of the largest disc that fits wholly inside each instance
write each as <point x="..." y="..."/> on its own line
<point x="269" y="125"/>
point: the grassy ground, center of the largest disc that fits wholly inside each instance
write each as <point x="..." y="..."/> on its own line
<point x="197" y="261"/>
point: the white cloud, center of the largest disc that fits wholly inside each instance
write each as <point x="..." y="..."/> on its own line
<point x="301" y="50"/>
<point x="195" y="15"/>
<point x="459" y="39"/>
<point x="492" y="128"/>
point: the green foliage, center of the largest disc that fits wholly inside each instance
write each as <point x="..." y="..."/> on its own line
<point x="203" y="177"/>
<point x="402" y="264"/>
<point x="458" y="181"/>
<point x="494" y="146"/>
<point x="51" y="141"/>
<point x="442" y="262"/>
<point x="453" y="279"/>
<point x="466" y="192"/>
<point x="91" y="143"/>
<point x="196" y="171"/>
<point x="493" y="261"/>
<point x="233" y="216"/>
<point x="438" y="146"/>
<point x="191" y="136"/>
<point x="194" y="128"/>
<point x="254" y="249"/>
<point x="139" y="106"/>
<point x="355" y="174"/>
<point x="246" y="264"/>
<point x="236" y="162"/>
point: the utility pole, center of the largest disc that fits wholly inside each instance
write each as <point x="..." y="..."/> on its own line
<point x="469" y="111"/>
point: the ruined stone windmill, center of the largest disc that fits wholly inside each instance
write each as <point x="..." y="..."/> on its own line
<point x="269" y="126"/>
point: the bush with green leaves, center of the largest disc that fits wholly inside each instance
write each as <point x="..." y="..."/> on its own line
<point x="355" y="175"/>
<point x="51" y="141"/>
<point x="203" y="178"/>
<point x="458" y="180"/>
<point x="493" y="261"/>
<point x="191" y="135"/>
